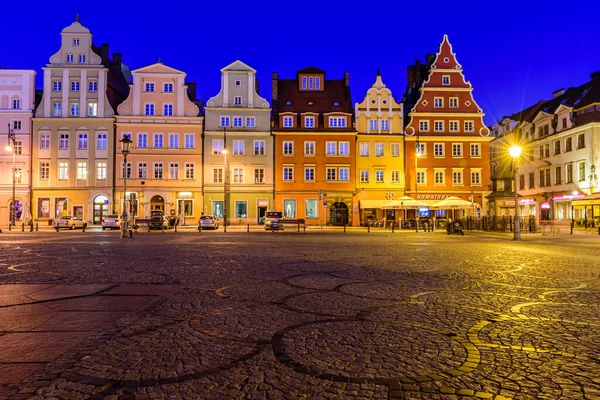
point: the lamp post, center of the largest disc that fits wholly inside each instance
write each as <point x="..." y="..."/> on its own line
<point x="13" y="149"/>
<point x="418" y="154"/>
<point x="225" y="191"/>
<point x="125" y="147"/>
<point x="515" y="152"/>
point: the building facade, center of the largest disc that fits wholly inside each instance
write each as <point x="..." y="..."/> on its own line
<point x="164" y="166"/>
<point x="73" y="130"/>
<point x="379" y="153"/>
<point x="17" y="98"/>
<point x="238" y="149"/>
<point x="447" y="143"/>
<point x="315" y="161"/>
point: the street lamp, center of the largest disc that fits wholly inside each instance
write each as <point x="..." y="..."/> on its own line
<point x="515" y="152"/>
<point x="13" y="149"/>
<point x="125" y="147"/>
<point x="418" y="153"/>
<point x="224" y="152"/>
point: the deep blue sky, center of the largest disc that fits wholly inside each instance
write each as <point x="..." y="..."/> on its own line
<point x="514" y="53"/>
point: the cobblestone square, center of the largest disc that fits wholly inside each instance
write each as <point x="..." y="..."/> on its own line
<point x="321" y="315"/>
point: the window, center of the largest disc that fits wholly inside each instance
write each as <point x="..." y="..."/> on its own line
<point x="522" y="182"/>
<point x="580" y="141"/>
<point x="101" y="171"/>
<point x="18" y="147"/>
<point x="310" y="82"/>
<point x="379" y="176"/>
<point x="158" y="141"/>
<point x="189" y="140"/>
<point x="475" y="178"/>
<point x="101" y="141"/>
<point x="224" y="121"/>
<point x="288" y="173"/>
<point x="288" y="148"/>
<point x="457" y="177"/>
<point x="453" y="126"/>
<point x="547" y="149"/>
<point x="63" y="171"/>
<point x="364" y="176"/>
<point x="364" y="149"/>
<point x="337" y="122"/>
<point x="74" y="86"/>
<point x="317" y="82"/>
<point x="158" y="170"/>
<point x="542" y="178"/>
<point x="44" y="171"/>
<point x="438" y="102"/>
<point x="17" y="125"/>
<point x="456" y="149"/>
<point x="543" y="131"/>
<point x="395" y="174"/>
<point x="16" y="104"/>
<point x="189" y="171"/>
<point x="69" y="58"/>
<point x="93" y="86"/>
<point x="475" y="150"/>
<point x="82" y="141"/>
<point x="303" y="82"/>
<point x="469" y="126"/>
<point x="81" y="170"/>
<point x="424" y="126"/>
<point x="581" y="171"/>
<point x="238" y="147"/>
<point x="217" y="175"/>
<point x="149" y="87"/>
<point x="18" y="176"/>
<point x="75" y="42"/>
<point x="142" y="140"/>
<point x="453" y="102"/>
<point x="57" y="86"/>
<point x="74" y="109"/>
<point x="309" y="122"/>
<point x="385" y="125"/>
<point x="344" y="174"/>
<point x="63" y="143"/>
<point x="379" y="150"/>
<point x="82" y="59"/>
<point x="330" y="148"/>
<point x="237" y="100"/>
<point x="395" y="149"/>
<point x="421" y="150"/>
<point x="541" y="152"/>
<point x="127" y="169"/>
<point x="311" y="207"/>
<point x="309" y="148"/>
<point x="439" y="177"/>
<point x="289" y="207"/>
<point x="373" y="125"/>
<point x="438" y="150"/>
<point x="568" y="144"/>
<point x="238" y="83"/>
<point x="557" y="147"/>
<point x="142" y="170"/>
<point x="288" y="122"/>
<point x="241" y="209"/>
<point x="168" y="110"/>
<point x="569" y="177"/>
<point x="173" y="140"/>
<point x="309" y="173"/>
<point x="217" y="146"/>
<point x="421" y="178"/>
<point x="438" y="126"/>
<point x="149" y="109"/>
<point x="44" y="141"/>
<point x="259" y="147"/>
<point x="168" y="87"/>
<point x="558" y="176"/>
<point x="547" y="171"/>
<point x="173" y="171"/>
<point x="531" y="180"/>
<point x="56" y="109"/>
<point x="250" y="122"/>
<point x="93" y="109"/>
<point x="259" y="175"/>
<point x="237" y="122"/>
<point x="331" y="174"/>
<point x="445" y="79"/>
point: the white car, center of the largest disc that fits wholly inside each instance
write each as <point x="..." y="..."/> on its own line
<point x="111" y="221"/>
<point x="208" y="222"/>
<point x="68" y="221"/>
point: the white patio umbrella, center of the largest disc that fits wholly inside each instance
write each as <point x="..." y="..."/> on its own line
<point x="404" y="203"/>
<point x="453" y="203"/>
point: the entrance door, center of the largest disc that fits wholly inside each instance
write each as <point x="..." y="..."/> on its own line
<point x="261" y="215"/>
<point x="157" y="203"/>
<point x="100" y="209"/>
<point x="338" y="214"/>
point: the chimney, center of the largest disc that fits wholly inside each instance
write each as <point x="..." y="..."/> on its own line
<point x="118" y="58"/>
<point x="104" y="51"/>
<point x="595" y="75"/>
<point x="275" y="78"/>
<point x="347" y="78"/>
<point x="557" y="93"/>
<point x="429" y="58"/>
<point x="191" y="90"/>
<point x="256" y="85"/>
<point x="411" y="77"/>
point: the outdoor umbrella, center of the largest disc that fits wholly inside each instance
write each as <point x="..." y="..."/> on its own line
<point x="404" y="202"/>
<point x="453" y="203"/>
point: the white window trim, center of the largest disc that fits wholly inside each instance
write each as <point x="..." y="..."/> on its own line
<point x="441" y="100"/>
<point x="443" y="155"/>
<point x="462" y="153"/>
<point x="425" y="121"/>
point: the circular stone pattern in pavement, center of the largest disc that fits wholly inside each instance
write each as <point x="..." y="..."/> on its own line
<point x="369" y="350"/>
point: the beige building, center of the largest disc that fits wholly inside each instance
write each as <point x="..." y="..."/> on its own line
<point x="164" y="167"/>
<point x="72" y="143"/>
<point x="16" y="109"/>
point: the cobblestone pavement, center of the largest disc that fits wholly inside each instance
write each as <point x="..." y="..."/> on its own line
<point x="292" y="316"/>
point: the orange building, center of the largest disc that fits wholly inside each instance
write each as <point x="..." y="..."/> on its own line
<point x="314" y="148"/>
<point x="446" y="125"/>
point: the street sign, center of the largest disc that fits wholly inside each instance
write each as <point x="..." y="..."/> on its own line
<point x="324" y="202"/>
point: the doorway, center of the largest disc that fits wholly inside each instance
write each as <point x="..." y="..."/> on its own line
<point x="100" y="209"/>
<point x="261" y="215"/>
<point x="338" y="214"/>
<point x="157" y="203"/>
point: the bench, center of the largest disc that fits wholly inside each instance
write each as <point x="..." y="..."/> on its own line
<point x="294" y="221"/>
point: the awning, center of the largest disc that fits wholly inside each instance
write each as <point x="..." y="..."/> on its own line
<point x="372" y="203"/>
<point x="591" y="200"/>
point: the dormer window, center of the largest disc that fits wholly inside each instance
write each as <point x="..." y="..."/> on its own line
<point x="288" y="103"/>
<point x="336" y="103"/>
<point x="75" y="42"/>
<point x="445" y="79"/>
<point x="288" y="122"/>
<point x="310" y="82"/>
<point x="311" y="103"/>
<point x="318" y="82"/>
<point x="237" y="100"/>
<point x="337" y="122"/>
<point x="304" y="82"/>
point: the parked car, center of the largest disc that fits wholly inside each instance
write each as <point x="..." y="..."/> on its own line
<point x="272" y="220"/>
<point x="111" y="221"/>
<point x="207" y="222"/>
<point x="69" y="221"/>
<point x="158" y="220"/>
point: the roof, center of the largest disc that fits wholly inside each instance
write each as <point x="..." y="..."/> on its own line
<point x="76" y="28"/>
<point x="527" y="114"/>
<point x="311" y="70"/>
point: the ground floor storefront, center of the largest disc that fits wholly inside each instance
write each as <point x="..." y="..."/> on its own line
<point x="333" y="208"/>
<point x="187" y="205"/>
<point x="21" y="207"/>
<point x="241" y="207"/>
<point x="91" y="205"/>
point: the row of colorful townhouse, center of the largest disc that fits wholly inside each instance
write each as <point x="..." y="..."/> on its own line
<point x="313" y="154"/>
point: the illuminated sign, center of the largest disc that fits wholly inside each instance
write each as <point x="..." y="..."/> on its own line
<point x="526" y="201"/>
<point x="545" y="206"/>
<point x="567" y="197"/>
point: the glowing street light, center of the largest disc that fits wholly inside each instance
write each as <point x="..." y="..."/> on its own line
<point x="125" y="148"/>
<point x="12" y="149"/>
<point x="515" y="153"/>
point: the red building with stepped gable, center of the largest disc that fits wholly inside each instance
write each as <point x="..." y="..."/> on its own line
<point x="446" y="124"/>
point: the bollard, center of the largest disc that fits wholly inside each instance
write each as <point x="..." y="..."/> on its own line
<point x="298" y="227"/>
<point x="36" y="226"/>
<point x="84" y="226"/>
<point x="23" y="227"/>
<point x="345" y="228"/>
<point x="9" y="226"/>
<point x="31" y="226"/>
<point x="304" y="227"/>
<point x="130" y="234"/>
<point x="368" y="228"/>
<point x="175" y="228"/>
<point x="199" y="229"/>
<point x="248" y="228"/>
<point x="393" y="227"/>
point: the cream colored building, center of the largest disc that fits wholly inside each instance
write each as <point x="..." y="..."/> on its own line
<point x="72" y="152"/>
<point x="164" y="167"/>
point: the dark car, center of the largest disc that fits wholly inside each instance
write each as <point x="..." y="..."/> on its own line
<point x="158" y="220"/>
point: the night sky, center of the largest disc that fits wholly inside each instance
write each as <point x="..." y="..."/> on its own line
<point x="514" y="53"/>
